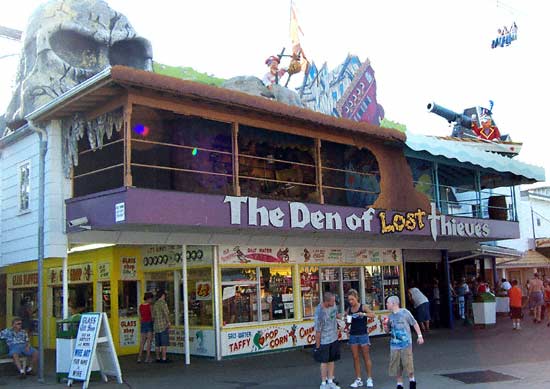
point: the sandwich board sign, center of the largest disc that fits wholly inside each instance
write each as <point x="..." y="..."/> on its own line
<point x="94" y="340"/>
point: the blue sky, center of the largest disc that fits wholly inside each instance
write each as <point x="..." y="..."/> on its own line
<point x="421" y="51"/>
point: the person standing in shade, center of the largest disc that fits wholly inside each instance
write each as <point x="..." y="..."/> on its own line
<point x="146" y="320"/>
<point x="505" y="285"/>
<point x="356" y="319"/>
<point x="422" y="306"/>
<point x="327" y="346"/>
<point x="161" y="326"/>
<point x="463" y="290"/>
<point x="436" y="307"/>
<point x="516" y="304"/>
<point x="398" y="324"/>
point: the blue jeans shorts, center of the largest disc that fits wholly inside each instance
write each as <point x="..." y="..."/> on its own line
<point x="20" y="350"/>
<point x="361" y="340"/>
<point x="162" y="338"/>
<point x="146" y="326"/>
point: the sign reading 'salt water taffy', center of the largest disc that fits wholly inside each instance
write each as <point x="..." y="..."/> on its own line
<point x="304" y="255"/>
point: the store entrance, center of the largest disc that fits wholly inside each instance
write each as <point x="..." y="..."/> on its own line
<point x="424" y="275"/>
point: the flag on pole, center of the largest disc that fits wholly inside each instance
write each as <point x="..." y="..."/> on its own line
<point x="295" y="32"/>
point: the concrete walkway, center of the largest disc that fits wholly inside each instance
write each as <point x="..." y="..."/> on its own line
<point x="523" y="354"/>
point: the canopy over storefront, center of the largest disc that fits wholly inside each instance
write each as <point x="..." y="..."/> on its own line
<point x="464" y="153"/>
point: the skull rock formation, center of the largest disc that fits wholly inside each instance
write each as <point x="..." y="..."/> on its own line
<point x="67" y="42"/>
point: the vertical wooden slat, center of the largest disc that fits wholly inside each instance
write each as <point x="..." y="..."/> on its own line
<point x="235" y="157"/>
<point x="128" y="144"/>
<point x="319" y="170"/>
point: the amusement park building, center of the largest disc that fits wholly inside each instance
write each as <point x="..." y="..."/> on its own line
<point x="269" y="205"/>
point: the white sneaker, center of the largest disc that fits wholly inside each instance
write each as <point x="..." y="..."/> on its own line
<point x="323" y="386"/>
<point x="357" y="383"/>
<point x="332" y="385"/>
<point x="370" y="384"/>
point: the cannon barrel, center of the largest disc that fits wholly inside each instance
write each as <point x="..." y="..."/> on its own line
<point x="451" y="116"/>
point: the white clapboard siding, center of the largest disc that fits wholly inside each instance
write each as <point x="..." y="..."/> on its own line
<point x="19" y="231"/>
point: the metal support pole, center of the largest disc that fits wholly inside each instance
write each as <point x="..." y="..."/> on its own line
<point x="43" y="148"/>
<point x="65" y="287"/>
<point x="447" y="275"/>
<point x="185" y="306"/>
<point x="478" y="213"/>
<point x="217" y="290"/>
<point x="436" y="186"/>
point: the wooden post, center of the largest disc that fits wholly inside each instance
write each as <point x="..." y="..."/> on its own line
<point x="235" y="157"/>
<point x="128" y="144"/>
<point x="319" y="170"/>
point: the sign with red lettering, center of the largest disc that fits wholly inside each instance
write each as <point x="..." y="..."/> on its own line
<point x="23" y="280"/>
<point x="76" y="273"/>
<point x="128" y="268"/>
<point x="306" y="255"/>
<point x="128" y="331"/>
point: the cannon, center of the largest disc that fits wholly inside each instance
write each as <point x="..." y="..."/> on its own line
<point x="462" y="122"/>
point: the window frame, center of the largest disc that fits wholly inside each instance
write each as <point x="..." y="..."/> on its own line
<point x="20" y="166"/>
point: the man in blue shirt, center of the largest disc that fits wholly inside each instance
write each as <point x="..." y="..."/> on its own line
<point x="18" y="344"/>
<point x="398" y="324"/>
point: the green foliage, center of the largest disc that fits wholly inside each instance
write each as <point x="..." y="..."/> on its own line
<point x="186" y="73"/>
<point x="386" y="123"/>
<point x="485" y="297"/>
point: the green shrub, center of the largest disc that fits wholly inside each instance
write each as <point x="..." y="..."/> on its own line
<point x="485" y="297"/>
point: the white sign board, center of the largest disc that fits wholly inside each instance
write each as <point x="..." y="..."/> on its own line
<point x="94" y="339"/>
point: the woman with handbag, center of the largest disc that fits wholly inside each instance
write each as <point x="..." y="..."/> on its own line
<point x="356" y="323"/>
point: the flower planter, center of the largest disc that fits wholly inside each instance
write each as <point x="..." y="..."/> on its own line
<point x="485" y="313"/>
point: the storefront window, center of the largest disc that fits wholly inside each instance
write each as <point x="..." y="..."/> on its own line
<point x="106" y="298"/>
<point x="162" y="280"/>
<point x="200" y="293"/>
<point x="309" y="285"/>
<point x="241" y="294"/>
<point x="127" y="298"/>
<point x="25" y="306"/>
<point x="277" y="298"/>
<point x="239" y="290"/>
<point x="330" y="282"/>
<point x="373" y="288"/>
<point x="80" y="299"/>
<point x="380" y="283"/>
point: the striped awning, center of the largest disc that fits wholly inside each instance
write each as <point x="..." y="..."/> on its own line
<point x="467" y="154"/>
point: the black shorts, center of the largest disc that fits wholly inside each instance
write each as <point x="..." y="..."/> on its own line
<point x="516" y="313"/>
<point x="327" y="352"/>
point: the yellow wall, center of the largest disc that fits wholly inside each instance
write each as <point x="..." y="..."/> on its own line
<point x="111" y="255"/>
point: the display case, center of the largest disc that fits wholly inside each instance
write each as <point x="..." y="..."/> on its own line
<point x="309" y="286"/>
<point x="380" y="283"/>
<point x="391" y="281"/>
<point x="374" y="295"/>
<point x="330" y="282"/>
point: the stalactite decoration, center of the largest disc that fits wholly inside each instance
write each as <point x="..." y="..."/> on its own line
<point x="75" y="127"/>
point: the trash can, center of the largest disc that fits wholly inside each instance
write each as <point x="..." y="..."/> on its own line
<point x="65" y="340"/>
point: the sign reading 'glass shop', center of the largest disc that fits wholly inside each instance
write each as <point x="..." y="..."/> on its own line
<point x="248" y="212"/>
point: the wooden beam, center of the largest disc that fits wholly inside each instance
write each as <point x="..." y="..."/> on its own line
<point x="319" y="171"/>
<point x="128" y="143"/>
<point x="235" y="156"/>
<point x="186" y="106"/>
<point x="109" y="106"/>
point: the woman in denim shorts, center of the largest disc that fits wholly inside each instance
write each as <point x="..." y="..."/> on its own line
<point x="356" y="319"/>
<point x="146" y="319"/>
